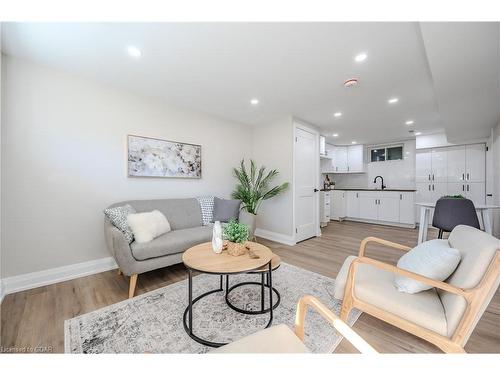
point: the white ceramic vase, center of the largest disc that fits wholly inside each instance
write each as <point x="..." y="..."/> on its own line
<point x="217" y="238"/>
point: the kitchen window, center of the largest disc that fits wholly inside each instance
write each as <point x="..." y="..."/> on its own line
<point x="394" y="152"/>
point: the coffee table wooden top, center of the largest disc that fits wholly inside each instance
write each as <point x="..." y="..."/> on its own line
<point x="202" y="258"/>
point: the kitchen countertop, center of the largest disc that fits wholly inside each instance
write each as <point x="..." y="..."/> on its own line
<point x="402" y="190"/>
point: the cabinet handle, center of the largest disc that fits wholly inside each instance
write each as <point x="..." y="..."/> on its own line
<point x="432" y="187"/>
<point x="467" y="176"/>
<point x="463" y="187"/>
<point x="400" y="197"/>
<point x="429" y="177"/>
<point x="429" y="187"/>
<point x="463" y="176"/>
<point x="467" y="187"/>
<point x="347" y="168"/>
<point x="357" y="195"/>
<point x="433" y="177"/>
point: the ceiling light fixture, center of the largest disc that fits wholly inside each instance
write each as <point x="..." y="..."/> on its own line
<point x="354" y="142"/>
<point x="393" y="100"/>
<point x="254" y="101"/>
<point x="337" y="114"/>
<point x="134" y="51"/>
<point x="360" y="57"/>
<point x="409" y="122"/>
<point x="335" y="135"/>
<point x="418" y="133"/>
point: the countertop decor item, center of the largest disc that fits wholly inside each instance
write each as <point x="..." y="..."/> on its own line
<point x="252" y="189"/>
<point x="237" y="235"/>
<point x="151" y="157"/>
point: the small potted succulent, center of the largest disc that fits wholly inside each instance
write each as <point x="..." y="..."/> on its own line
<point x="237" y="235"/>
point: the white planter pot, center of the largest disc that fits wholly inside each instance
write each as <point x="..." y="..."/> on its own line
<point x="250" y="220"/>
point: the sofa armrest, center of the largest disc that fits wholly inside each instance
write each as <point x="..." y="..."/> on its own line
<point x="309" y="301"/>
<point x="119" y="247"/>
<point x="367" y="240"/>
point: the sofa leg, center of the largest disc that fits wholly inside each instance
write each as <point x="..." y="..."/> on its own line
<point x="133" y="283"/>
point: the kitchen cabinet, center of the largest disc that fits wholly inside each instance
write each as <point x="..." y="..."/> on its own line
<point x="322" y="145"/>
<point x="340" y="159"/>
<point x="355" y="159"/>
<point x="456" y="164"/>
<point x="352" y="204"/>
<point x="423" y="164"/>
<point x="406" y="208"/>
<point x="431" y="165"/>
<point x="338" y="205"/>
<point x="475" y="163"/>
<point x="387" y="207"/>
<point x="324" y="208"/>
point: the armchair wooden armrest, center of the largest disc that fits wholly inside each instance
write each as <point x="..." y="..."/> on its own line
<point x="412" y="275"/>
<point x="367" y="240"/>
<point x="346" y="331"/>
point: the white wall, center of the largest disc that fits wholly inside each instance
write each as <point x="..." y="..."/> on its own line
<point x="64" y="160"/>
<point x="273" y="147"/>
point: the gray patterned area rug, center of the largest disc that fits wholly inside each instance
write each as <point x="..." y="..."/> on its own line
<point x="152" y="322"/>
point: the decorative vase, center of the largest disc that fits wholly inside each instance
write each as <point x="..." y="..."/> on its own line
<point x="236" y="249"/>
<point x="217" y="238"/>
<point x="250" y="220"/>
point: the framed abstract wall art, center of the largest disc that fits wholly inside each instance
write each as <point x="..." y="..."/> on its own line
<point x="151" y="157"/>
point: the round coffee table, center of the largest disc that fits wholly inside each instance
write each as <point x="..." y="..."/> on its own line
<point x="201" y="258"/>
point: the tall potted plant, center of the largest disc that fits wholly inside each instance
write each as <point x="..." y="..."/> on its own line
<point x="252" y="189"/>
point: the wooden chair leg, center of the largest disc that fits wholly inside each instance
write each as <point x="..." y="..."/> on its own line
<point x="133" y="283"/>
<point x="120" y="272"/>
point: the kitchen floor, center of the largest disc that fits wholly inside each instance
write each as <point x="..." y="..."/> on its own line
<point x="35" y="318"/>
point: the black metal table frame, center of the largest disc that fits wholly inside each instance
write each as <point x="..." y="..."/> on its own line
<point x="188" y="313"/>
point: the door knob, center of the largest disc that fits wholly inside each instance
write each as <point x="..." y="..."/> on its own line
<point x="316" y="190"/>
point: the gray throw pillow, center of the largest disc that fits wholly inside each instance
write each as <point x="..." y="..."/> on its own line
<point x="226" y="209"/>
<point x="118" y="217"/>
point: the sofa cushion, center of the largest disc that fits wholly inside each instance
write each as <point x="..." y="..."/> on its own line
<point x="148" y="225"/>
<point x="226" y="210"/>
<point x="275" y="339"/>
<point x="434" y="259"/>
<point x="172" y="242"/>
<point x="477" y="249"/>
<point x="118" y="217"/>
<point x="180" y="213"/>
<point x="207" y="208"/>
<point x="376" y="287"/>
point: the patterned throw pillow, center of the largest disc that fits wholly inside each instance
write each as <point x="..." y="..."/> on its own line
<point x="207" y="209"/>
<point x="118" y="217"/>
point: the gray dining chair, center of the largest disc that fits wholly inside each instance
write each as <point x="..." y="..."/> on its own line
<point x="450" y="212"/>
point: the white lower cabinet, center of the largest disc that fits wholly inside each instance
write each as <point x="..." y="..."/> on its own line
<point x="388" y="207"/>
<point x="338" y="204"/>
<point x="352" y="204"/>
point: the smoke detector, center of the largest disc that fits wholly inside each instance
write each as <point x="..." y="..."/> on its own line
<point x="351" y="82"/>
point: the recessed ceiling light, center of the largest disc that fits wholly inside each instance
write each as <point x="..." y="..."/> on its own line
<point x="360" y="57"/>
<point x="337" y="114"/>
<point x="134" y="51"/>
<point x="418" y="133"/>
<point x="335" y="135"/>
<point x="254" y="101"/>
<point x="354" y="142"/>
<point x="393" y="100"/>
<point x="350" y="82"/>
<point x="409" y="122"/>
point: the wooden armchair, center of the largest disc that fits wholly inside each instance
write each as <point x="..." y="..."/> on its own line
<point x="445" y="315"/>
<point x="281" y="339"/>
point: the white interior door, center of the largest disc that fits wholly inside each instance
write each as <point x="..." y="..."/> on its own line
<point x="306" y="176"/>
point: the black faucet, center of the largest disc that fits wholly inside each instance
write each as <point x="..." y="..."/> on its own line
<point x="375" y="181"/>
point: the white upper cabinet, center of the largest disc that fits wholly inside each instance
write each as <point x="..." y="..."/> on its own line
<point x="475" y="163"/>
<point x="439" y="171"/>
<point x="355" y="158"/>
<point x="348" y="159"/>
<point x="423" y="166"/>
<point x="340" y="159"/>
<point x="322" y="145"/>
<point x="456" y="164"/>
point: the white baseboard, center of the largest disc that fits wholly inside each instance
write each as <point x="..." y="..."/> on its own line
<point x="56" y="275"/>
<point x="276" y="237"/>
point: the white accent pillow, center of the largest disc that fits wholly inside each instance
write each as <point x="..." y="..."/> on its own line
<point x="434" y="259"/>
<point x="148" y="225"/>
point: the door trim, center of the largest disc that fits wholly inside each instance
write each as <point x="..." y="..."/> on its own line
<point x="298" y="124"/>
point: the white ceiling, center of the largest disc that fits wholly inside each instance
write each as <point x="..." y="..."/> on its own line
<point x="446" y="75"/>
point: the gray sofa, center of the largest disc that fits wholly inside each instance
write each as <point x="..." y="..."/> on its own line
<point x="184" y="216"/>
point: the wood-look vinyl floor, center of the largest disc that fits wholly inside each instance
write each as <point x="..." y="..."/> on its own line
<point x="35" y="318"/>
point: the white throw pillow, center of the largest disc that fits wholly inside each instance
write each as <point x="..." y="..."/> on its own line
<point x="434" y="259"/>
<point x="148" y="225"/>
